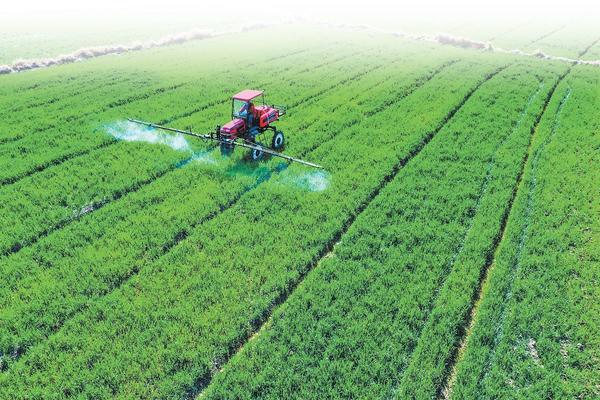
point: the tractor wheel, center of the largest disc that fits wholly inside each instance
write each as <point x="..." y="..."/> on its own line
<point x="278" y="141"/>
<point x="226" y="149"/>
<point x="256" y="154"/>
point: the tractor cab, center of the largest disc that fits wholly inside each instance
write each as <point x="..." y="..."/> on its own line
<point x="250" y="117"/>
<point x="243" y="106"/>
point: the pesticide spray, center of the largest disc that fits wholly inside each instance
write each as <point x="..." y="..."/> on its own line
<point x="131" y="132"/>
<point x="313" y="181"/>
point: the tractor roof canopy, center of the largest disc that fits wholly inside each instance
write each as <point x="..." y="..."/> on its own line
<point x="247" y="95"/>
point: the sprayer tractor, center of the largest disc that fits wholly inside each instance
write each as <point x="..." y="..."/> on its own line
<point x="250" y="118"/>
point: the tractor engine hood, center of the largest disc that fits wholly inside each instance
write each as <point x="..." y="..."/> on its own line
<point x="233" y="126"/>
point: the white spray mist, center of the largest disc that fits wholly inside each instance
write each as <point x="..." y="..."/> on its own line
<point x="132" y="132"/>
<point x="311" y="180"/>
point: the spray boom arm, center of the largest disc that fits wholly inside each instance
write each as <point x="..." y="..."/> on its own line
<point x="217" y="138"/>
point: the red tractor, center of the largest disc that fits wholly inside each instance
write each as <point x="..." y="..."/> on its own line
<point x="251" y="118"/>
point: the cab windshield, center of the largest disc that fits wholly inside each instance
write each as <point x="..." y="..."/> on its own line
<point x="240" y="108"/>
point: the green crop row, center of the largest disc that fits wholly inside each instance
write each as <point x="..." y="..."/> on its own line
<point x="35" y="152"/>
<point x="567" y="41"/>
<point x="177" y="216"/>
<point x="115" y="91"/>
<point x="60" y="194"/>
<point x="69" y="92"/>
<point x="440" y="338"/>
<point x="107" y="97"/>
<point x="43" y="82"/>
<point x="166" y="328"/>
<point x="38" y="210"/>
<point x="353" y="324"/>
<point x="536" y="331"/>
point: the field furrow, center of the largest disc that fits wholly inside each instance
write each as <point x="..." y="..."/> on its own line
<point x="171" y="226"/>
<point x="182" y="373"/>
<point x="509" y="348"/>
<point x="28" y="231"/>
<point x="444" y="330"/>
<point x="354" y="323"/>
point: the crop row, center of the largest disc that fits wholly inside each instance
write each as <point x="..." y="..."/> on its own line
<point x="115" y="91"/>
<point x="535" y="331"/>
<point x="43" y="271"/>
<point x="35" y="153"/>
<point x="163" y="331"/>
<point x="568" y="41"/>
<point x="45" y="81"/>
<point x="352" y="325"/>
<point x="55" y="179"/>
<point x="71" y="91"/>
<point x="36" y="209"/>
<point x="441" y="334"/>
<point x="108" y="97"/>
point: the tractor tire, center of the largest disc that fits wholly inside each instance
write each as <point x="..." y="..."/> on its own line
<point x="256" y="154"/>
<point x="278" y="141"/>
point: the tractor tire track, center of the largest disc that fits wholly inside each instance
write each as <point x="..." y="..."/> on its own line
<point x="184" y="233"/>
<point x="69" y="156"/>
<point x="445" y="390"/>
<point x="483" y="189"/>
<point x="584" y="51"/>
<point x="544" y="36"/>
<point x="10" y="139"/>
<point x="203" y="381"/>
